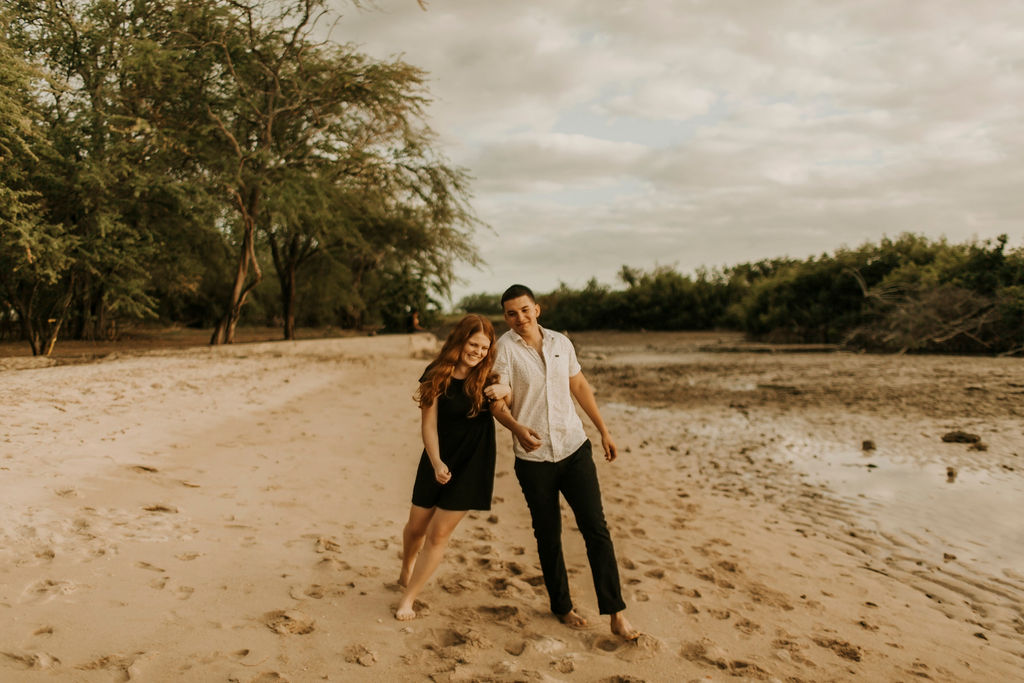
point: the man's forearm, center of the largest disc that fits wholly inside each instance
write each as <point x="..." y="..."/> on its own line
<point x="584" y="395"/>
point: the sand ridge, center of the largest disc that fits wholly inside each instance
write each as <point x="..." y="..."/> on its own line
<point x="235" y="514"/>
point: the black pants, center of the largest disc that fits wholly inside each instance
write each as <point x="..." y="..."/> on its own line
<point x="575" y="478"/>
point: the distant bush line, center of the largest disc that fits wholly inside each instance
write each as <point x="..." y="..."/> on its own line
<point x="910" y="294"/>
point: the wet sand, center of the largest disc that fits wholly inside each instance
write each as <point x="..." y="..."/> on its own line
<point x="235" y="514"/>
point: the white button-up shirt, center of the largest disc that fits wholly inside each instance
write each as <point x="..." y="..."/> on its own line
<point x="541" y="399"/>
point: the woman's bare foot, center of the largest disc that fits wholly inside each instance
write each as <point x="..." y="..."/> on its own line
<point x="572" y="619"/>
<point x="622" y="628"/>
<point x="405" y="613"/>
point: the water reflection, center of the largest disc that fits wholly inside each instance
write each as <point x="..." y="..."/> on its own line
<point x="977" y="516"/>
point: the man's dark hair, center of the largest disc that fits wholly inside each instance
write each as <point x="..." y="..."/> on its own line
<point x="516" y="291"/>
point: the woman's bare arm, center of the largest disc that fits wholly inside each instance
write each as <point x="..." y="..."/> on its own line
<point x="428" y="428"/>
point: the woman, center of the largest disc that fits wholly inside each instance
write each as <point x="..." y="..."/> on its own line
<point x="456" y="470"/>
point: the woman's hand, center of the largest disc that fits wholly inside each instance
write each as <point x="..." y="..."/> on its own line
<point x="496" y="392"/>
<point x="442" y="474"/>
<point x="528" y="439"/>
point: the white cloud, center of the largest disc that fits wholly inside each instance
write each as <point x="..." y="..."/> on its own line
<point x="662" y="100"/>
<point x="700" y="132"/>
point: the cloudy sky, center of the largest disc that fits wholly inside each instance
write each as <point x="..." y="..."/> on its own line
<point x="604" y="133"/>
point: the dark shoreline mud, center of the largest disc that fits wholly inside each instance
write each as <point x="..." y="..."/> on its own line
<point x="791" y="430"/>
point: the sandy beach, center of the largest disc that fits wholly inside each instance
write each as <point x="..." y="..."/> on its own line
<point x="235" y="514"/>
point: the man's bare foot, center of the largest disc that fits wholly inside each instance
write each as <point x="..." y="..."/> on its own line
<point x="572" y="619"/>
<point x="622" y="628"/>
<point x="405" y="613"/>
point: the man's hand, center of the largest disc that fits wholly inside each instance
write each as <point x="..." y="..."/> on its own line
<point x="610" y="452"/>
<point x="528" y="439"/>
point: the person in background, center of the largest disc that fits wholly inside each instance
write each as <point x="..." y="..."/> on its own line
<point x="412" y="323"/>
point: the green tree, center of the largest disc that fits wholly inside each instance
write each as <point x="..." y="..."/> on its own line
<point x="35" y="255"/>
<point x="361" y="178"/>
<point x="106" y="177"/>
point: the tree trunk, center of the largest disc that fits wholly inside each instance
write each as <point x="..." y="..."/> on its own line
<point x="287" y="259"/>
<point x="24" y="305"/>
<point x="28" y="329"/>
<point x="288" y="300"/>
<point x="53" y="325"/>
<point x="224" y="333"/>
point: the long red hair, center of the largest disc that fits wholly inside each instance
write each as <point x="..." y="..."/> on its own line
<point x="438" y="375"/>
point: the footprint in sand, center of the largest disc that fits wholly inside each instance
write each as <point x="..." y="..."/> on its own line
<point x="707" y="653"/>
<point x="319" y="592"/>
<point x="503" y="614"/>
<point x="150" y="567"/>
<point x="127" y="666"/>
<point x="840" y="647"/>
<point x="565" y="665"/>
<point x="747" y="626"/>
<point x="728" y="566"/>
<point x="545" y="645"/>
<point x="455" y="584"/>
<point x="643" y="648"/>
<point x="268" y="677"/>
<point x="787" y="650"/>
<point x="359" y="654"/>
<point x="47" y="589"/>
<point x="46" y="554"/>
<point x="687" y="607"/>
<point x="768" y="596"/>
<point x="488" y="563"/>
<point x="32" y="660"/>
<point x="333" y="564"/>
<point x="505" y="588"/>
<point x="289" y="622"/>
<point x="161" y="508"/>
<point x="461" y="637"/>
<point x="327" y="545"/>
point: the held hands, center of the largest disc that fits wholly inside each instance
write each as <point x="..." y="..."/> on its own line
<point x="442" y="474"/>
<point x="496" y="392"/>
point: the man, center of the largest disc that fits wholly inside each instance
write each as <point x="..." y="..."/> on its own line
<point x="553" y="454"/>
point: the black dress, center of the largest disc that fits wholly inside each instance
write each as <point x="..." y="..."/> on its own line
<point x="467" y="448"/>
